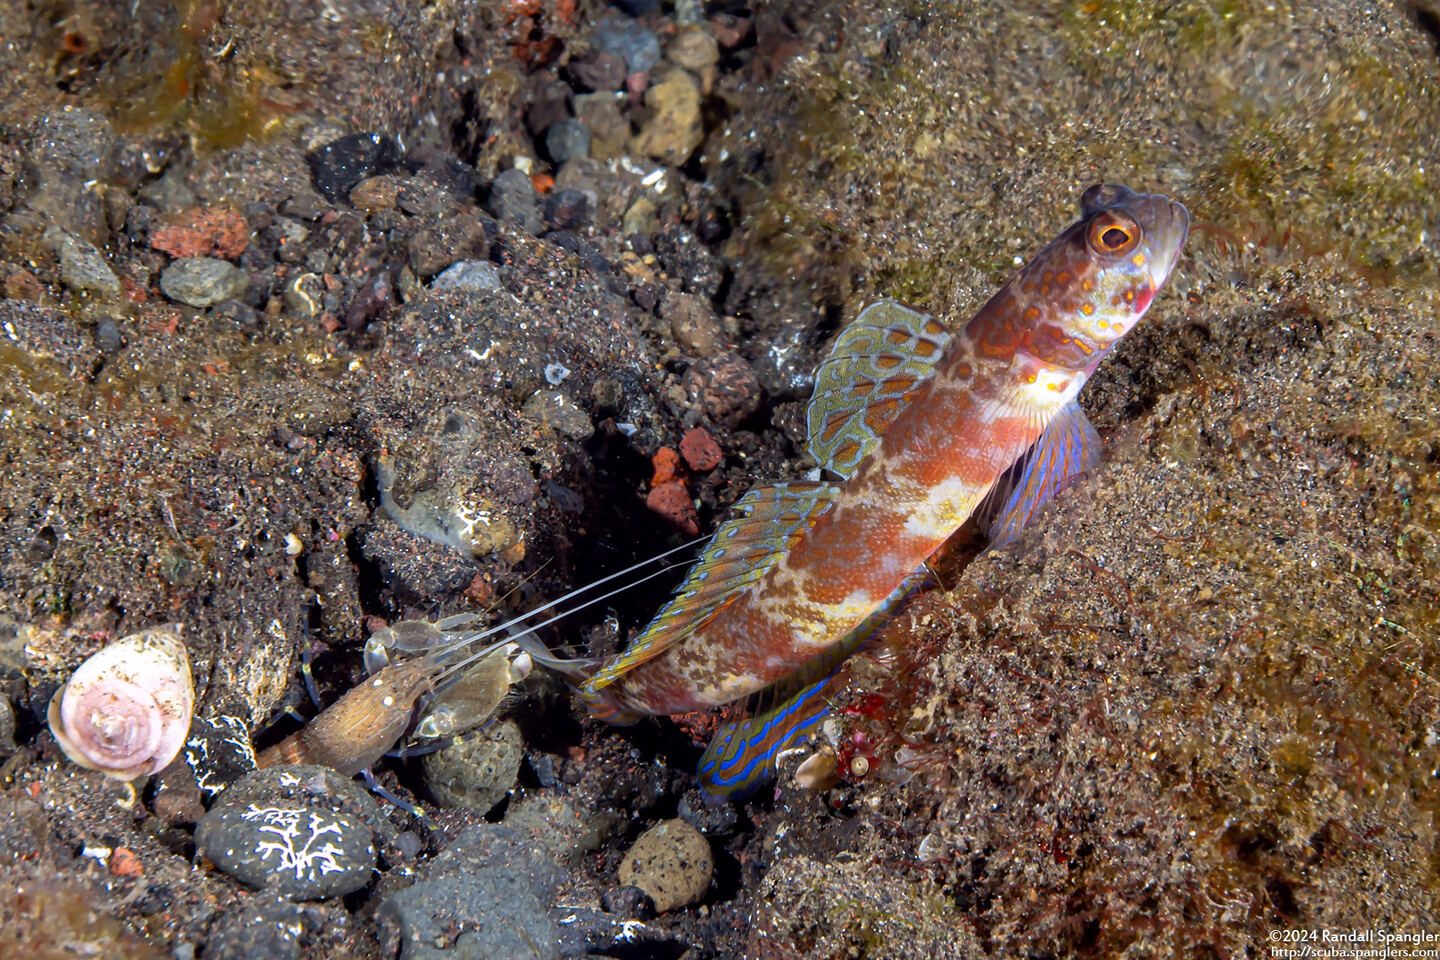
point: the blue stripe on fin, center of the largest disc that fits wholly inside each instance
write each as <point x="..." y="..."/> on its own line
<point x="742" y="551"/>
<point x="744" y="754"/>
<point x="1068" y="448"/>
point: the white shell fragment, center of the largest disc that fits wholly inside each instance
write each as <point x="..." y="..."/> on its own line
<point x="126" y="710"/>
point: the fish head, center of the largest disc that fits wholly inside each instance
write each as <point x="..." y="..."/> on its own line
<point x="1132" y="242"/>
<point x="1092" y="285"/>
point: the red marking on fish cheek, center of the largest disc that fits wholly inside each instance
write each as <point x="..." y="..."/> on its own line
<point x="1143" y="296"/>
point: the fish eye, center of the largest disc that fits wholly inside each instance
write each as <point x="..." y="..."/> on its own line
<point x="1113" y="234"/>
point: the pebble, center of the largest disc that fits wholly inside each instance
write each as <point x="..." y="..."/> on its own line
<point x="203" y="281"/>
<point x="469" y="276"/>
<point x="724" y="387"/>
<point x="672" y="863"/>
<point x="303" y="832"/>
<point x="512" y="200"/>
<point x="259" y="928"/>
<point x="339" y="165"/>
<point x="553" y="409"/>
<point x="693" y="324"/>
<point x="7" y="727"/>
<point x="479" y="771"/>
<point x="219" y="751"/>
<point x="640" y="217"/>
<point x="630" y="41"/>
<point x="564" y="829"/>
<point x="486" y="895"/>
<point x="203" y="233"/>
<point x="597" y="70"/>
<point x="79" y="141"/>
<point x="567" y="140"/>
<point x="459" y="237"/>
<point x="695" y="50"/>
<point x="83" y="268"/>
<point x="567" y="209"/>
<point x="673" y="502"/>
<point x="674" y="129"/>
<point x="636" y="8"/>
<point x="700" y="450"/>
<point x="683" y="255"/>
<point x="374" y="194"/>
<point x="609" y="130"/>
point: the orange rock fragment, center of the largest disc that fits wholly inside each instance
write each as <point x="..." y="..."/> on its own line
<point x="667" y="467"/>
<point x="672" y="501"/>
<point x="204" y="233"/>
<point x="124" y="863"/>
<point x="700" y="450"/>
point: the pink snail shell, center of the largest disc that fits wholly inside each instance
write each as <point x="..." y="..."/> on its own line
<point x="126" y="711"/>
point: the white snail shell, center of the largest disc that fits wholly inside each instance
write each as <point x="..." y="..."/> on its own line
<point x="126" y="711"/>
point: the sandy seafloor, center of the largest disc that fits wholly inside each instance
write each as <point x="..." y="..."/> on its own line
<point x="1196" y="704"/>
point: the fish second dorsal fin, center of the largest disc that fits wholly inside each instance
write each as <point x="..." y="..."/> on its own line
<point x="871" y="374"/>
<point x="769" y="519"/>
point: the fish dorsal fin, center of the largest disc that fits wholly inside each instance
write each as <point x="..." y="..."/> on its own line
<point x="1068" y="448"/>
<point x="769" y="519"/>
<point x="873" y="370"/>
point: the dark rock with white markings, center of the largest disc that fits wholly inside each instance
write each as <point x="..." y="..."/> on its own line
<point x="304" y="832"/>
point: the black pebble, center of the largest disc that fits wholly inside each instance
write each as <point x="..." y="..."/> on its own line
<point x="567" y="209"/>
<point x="632" y="903"/>
<point x="339" y="165"/>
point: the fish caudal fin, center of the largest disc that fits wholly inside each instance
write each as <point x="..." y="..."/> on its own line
<point x="1068" y="448"/>
<point x="741" y="552"/>
<point x="874" y="368"/>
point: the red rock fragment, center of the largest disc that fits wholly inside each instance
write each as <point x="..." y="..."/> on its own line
<point x="124" y="863"/>
<point x="672" y="501"/>
<point x="667" y="467"/>
<point x="204" y="233"/>
<point x="700" y="450"/>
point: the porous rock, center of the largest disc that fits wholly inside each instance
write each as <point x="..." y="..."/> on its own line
<point x="672" y="863"/>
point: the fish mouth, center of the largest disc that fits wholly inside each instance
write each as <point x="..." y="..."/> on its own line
<point x="1167" y="227"/>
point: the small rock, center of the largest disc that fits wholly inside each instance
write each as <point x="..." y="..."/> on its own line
<point x="724" y="387"/>
<point x="730" y="31"/>
<point x="512" y="200"/>
<point x="202" y="281"/>
<point x="700" y="271"/>
<point x="83" y="268"/>
<point x="640" y="218"/>
<point x="374" y="194"/>
<point x="674" y="129"/>
<point x="7" y="727"/>
<point x="672" y="501"/>
<point x="695" y="50"/>
<point x="700" y="450"/>
<point x="665" y="467"/>
<point x="630" y="41"/>
<point x="373" y="301"/>
<point x="203" y="233"/>
<point x="470" y="276"/>
<point x="302" y="296"/>
<point x="567" y="140"/>
<point x="485" y="896"/>
<point x="478" y="771"/>
<point x="124" y="863"/>
<point x="672" y="863"/>
<point x="565" y="829"/>
<point x="567" y="209"/>
<point x="302" y="831"/>
<point x="257" y="928"/>
<point x="629" y="902"/>
<point x="461" y="237"/>
<point x="609" y="130"/>
<point x="636" y="8"/>
<point x="597" y="70"/>
<point x="339" y="165"/>
<point x="553" y="409"/>
<point x="218" y="750"/>
<point x="693" y="324"/>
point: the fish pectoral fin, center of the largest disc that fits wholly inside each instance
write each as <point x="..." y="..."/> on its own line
<point x="874" y="368"/>
<point x="769" y="520"/>
<point x="1068" y="448"/>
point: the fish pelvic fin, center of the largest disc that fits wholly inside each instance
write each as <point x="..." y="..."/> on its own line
<point x="1067" y="449"/>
